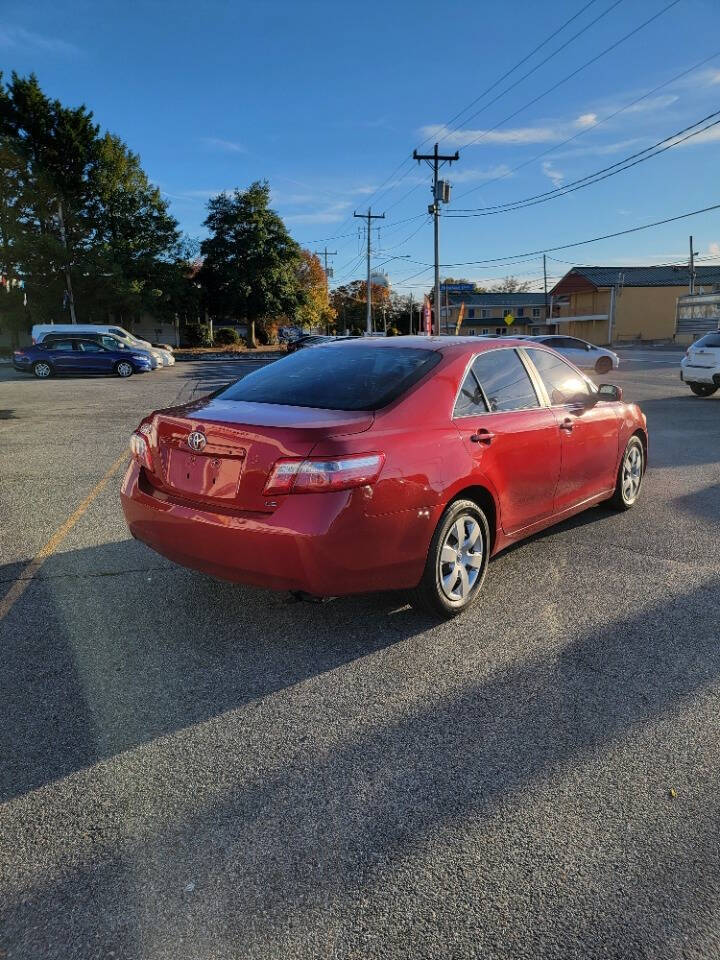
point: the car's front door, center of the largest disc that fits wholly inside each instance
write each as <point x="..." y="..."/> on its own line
<point x="511" y="436"/>
<point x="590" y="431"/>
<point x="94" y="357"/>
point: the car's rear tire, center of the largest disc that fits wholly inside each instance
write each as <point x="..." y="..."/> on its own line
<point x="42" y="369"/>
<point x="456" y="562"/>
<point x="604" y="365"/>
<point x="703" y="389"/>
<point x="630" y="475"/>
<point x="123" y="368"/>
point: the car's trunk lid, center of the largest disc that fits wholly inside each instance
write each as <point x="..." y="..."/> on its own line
<point x="242" y="442"/>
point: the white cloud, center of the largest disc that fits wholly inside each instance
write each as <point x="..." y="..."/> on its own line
<point x="229" y="146"/>
<point x="708" y="78"/>
<point x="714" y="249"/>
<point x="552" y="174"/>
<point x="518" y="135"/>
<point x="586" y="120"/>
<point x="458" y="175"/>
<point x="706" y="136"/>
<point x="331" y="214"/>
<point x="28" y="40"/>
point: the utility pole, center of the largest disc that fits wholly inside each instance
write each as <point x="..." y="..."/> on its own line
<point x="68" y="281"/>
<point x="411" y="316"/>
<point x="545" y="286"/>
<point x="692" y="268"/>
<point x="326" y="253"/>
<point x="435" y="160"/>
<point x="369" y="216"/>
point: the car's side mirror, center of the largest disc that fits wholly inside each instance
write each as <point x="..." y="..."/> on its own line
<point x="608" y="391"/>
<point x="589" y="346"/>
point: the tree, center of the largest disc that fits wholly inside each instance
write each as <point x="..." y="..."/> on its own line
<point x="250" y="262"/>
<point x="511" y="285"/>
<point x="350" y="304"/>
<point x="81" y="223"/>
<point x="316" y="311"/>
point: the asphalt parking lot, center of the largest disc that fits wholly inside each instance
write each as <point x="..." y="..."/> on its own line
<point x="192" y="769"/>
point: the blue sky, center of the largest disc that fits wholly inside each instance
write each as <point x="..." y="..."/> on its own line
<point x="326" y="101"/>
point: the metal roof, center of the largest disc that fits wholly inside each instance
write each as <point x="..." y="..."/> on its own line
<point x="668" y="276"/>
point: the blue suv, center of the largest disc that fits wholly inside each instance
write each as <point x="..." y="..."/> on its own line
<point x="79" y="355"/>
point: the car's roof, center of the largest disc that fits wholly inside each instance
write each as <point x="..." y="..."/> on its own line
<point x="449" y="344"/>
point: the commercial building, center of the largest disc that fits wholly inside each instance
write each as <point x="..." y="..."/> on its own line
<point x="616" y="304"/>
<point x="500" y="314"/>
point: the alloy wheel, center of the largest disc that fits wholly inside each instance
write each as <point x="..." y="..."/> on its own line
<point x="124" y="369"/>
<point x="461" y="558"/>
<point x="42" y="370"/>
<point x="632" y="473"/>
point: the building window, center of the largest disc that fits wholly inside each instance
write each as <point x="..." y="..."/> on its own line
<point x="499" y="331"/>
<point x="506" y="312"/>
<point x="471" y="314"/>
<point x="521" y="312"/>
<point x="483" y="314"/>
<point x="485" y="331"/>
<point x="536" y="311"/>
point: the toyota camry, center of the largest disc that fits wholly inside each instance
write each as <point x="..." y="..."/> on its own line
<point x="371" y="464"/>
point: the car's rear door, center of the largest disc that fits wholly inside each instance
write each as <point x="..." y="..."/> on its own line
<point x="61" y="354"/>
<point x="590" y="432"/>
<point x="511" y="436"/>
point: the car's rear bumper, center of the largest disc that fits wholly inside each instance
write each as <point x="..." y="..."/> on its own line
<point x="323" y="544"/>
<point x="694" y="374"/>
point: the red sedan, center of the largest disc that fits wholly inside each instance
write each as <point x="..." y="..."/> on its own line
<point x="381" y="465"/>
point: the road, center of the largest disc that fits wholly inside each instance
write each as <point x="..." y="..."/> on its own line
<point x="196" y="770"/>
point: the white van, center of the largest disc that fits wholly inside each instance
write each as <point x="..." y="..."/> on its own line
<point x="41" y="330"/>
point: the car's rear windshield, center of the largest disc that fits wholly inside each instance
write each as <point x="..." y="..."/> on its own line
<point x="336" y="377"/>
<point x="709" y="340"/>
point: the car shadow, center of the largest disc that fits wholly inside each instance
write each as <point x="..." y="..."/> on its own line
<point x="78" y="685"/>
<point x="283" y="846"/>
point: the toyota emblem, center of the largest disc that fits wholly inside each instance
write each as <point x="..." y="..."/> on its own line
<point x="196" y="440"/>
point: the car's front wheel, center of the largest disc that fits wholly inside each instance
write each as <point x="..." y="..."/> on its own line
<point x="604" y="365"/>
<point x="42" y="370"/>
<point x="630" y="475"/>
<point x="124" y="369"/>
<point x="456" y="561"/>
<point x="703" y="389"/>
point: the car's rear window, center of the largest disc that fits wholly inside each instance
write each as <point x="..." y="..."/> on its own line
<point x="336" y="378"/>
<point x="709" y="340"/>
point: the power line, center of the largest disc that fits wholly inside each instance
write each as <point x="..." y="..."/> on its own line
<point x="575" y="72"/>
<point x="554" y="87"/>
<point x="599" y="175"/>
<point x="580" y="243"/>
<point x="591" y="127"/>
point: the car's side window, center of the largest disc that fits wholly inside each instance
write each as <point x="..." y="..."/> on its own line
<point x="470" y="401"/>
<point x="505" y="381"/>
<point x="89" y="346"/>
<point x="561" y="381"/>
<point x="111" y="343"/>
<point x="61" y="346"/>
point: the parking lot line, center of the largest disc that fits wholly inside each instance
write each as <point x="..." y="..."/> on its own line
<point x="29" y="571"/>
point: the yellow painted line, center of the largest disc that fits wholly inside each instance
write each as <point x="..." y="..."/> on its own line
<point x="25" y="579"/>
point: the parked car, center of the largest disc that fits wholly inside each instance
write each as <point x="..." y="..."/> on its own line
<point x="584" y="355"/>
<point x="700" y="367"/>
<point x="78" y="355"/>
<point x="108" y="340"/>
<point x="407" y="468"/>
<point x="41" y="330"/>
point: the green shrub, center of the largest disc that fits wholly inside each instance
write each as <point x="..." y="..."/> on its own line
<point x="227" y="335"/>
<point x="197" y="335"/>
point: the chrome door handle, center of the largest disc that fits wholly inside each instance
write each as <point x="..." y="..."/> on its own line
<point x="567" y="425"/>
<point x="483" y="436"/>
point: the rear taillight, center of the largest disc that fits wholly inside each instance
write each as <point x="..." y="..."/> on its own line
<point x="19" y="353"/>
<point x="321" y="476"/>
<point x="140" y="450"/>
